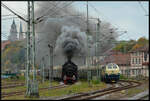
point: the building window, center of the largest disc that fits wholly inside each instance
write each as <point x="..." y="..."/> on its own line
<point x="139" y="71"/>
<point x="121" y="71"/>
<point x="133" y="71"/>
<point x="139" y="53"/>
<point x="125" y="72"/>
<point x="136" y="54"/>
<point x="136" y="60"/>
<point x="132" y="54"/>
<point x="139" y="61"/>
<point x="145" y="56"/>
<point x="133" y="61"/>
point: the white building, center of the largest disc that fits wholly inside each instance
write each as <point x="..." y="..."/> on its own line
<point x="140" y="61"/>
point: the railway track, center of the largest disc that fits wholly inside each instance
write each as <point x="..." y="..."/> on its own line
<point x="22" y="92"/>
<point x="98" y="93"/>
<point x="12" y="85"/>
<point x="9" y="83"/>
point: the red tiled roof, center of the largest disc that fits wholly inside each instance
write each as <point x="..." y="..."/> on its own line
<point x="4" y="43"/>
<point x="110" y="52"/>
<point x="120" y="59"/>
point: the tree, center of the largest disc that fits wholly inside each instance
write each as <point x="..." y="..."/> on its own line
<point x="140" y="43"/>
<point x="7" y="64"/>
<point x="13" y="56"/>
<point x="126" y="46"/>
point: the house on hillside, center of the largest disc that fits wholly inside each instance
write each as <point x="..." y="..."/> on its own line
<point x="140" y="60"/>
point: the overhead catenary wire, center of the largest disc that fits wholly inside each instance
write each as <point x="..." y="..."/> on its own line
<point x="20" y="13"/>
<point x="7" y="15"/>
<point x="53" y="12"/>
<point x="46" y="12"/>
<point x="143" y="8"/>
<point x="39" y="19"/>
<point x="9" y="18"/>
<point x="95" y="8"/>
<point x="3" y="5"/>
<point x="97" y="11"/>
<point x="92" y="6"/>
<point x="4" y="36"/>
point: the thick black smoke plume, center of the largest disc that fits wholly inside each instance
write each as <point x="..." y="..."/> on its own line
<point x="72" y="42"/>
<point x="68" y="34"/>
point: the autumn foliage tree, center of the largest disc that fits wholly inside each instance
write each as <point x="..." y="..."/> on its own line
<point x="13" y="56"/>
<point x="126" y="46"/>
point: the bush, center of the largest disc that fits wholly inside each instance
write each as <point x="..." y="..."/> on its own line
<point x="95" y="81"/>
<point x="123" y="77"/>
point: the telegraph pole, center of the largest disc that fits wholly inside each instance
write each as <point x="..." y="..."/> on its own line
<point x="32" y="88"/>
<point x="28" y="55"/>
<point x="35" y="91"/>
<point x="98" y="31"/>
<point x="88" y="72"/>
<point x="51" y="63"/>
<point x="43" y="67"/>
<point x="33" y="42"/>
<point x="96" y="52"/>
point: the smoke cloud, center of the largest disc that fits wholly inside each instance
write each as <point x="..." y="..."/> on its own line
<point x="72" y="42"/>
<point x="67" y="34"/>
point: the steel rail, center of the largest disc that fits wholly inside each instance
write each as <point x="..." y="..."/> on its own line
<point x="94" y="94"/>
<point x="22" y="92"/>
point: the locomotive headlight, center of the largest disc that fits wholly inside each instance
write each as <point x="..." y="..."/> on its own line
<point x="73" y="77"/>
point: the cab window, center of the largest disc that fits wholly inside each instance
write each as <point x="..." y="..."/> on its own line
<point x="109" y="66"/>
<point x="114" y="66"/>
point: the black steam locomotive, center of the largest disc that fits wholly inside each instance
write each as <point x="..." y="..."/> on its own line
<point x="69" y="72"/>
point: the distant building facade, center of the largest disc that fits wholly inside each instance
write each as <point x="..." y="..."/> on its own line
<point x="133" y="63"/>
<point x="140" y="60"/>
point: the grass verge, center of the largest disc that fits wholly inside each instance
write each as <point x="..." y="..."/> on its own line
<point x="79" y="87"/>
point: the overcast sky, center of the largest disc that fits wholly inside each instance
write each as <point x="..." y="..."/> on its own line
<point x="125" y="15"/>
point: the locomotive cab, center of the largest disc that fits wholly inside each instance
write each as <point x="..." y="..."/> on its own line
<point x="110" y="73"/>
